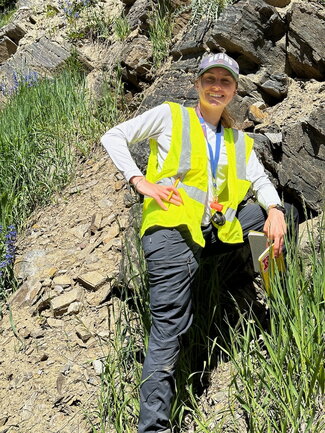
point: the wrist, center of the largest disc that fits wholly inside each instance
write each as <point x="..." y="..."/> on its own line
<point x="135" y="180"/>
<point x="277" y="207"/>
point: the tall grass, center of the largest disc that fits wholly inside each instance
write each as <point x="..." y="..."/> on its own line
<point x="45" y="128"/>
<point x="6" y="14"/>
<point x="280" y="377"/>
<point x="160" y="31"/>
<point x="277" y="366"/>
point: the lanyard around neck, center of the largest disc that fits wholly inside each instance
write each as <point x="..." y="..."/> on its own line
<point x="214" y="156"/>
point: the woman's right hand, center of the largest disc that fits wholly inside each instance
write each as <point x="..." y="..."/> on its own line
<point x="160" y="193"/>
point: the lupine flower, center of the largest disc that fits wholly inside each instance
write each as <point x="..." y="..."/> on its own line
<point x="29" y="79"/>
<point x="7" y="247"/>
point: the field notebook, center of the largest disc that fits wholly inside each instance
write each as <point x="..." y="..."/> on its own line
<point x="263" y="259"/>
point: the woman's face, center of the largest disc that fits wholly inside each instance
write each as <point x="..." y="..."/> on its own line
<point x="216" y="88"/>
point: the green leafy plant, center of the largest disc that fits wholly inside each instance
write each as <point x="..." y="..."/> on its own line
<point x="6" y="13"/>
<point x="160" y="31"/>
<point x="121" y="27"/>
<point x="207" y="9"/>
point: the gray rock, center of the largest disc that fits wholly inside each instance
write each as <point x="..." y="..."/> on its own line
<point x="44" y="57"/>
<point x="301" y="169"/>
<point x="7" y="48"/>
<point x="276" y="86"/>
<point x="192" y="41"/>
<point x="14" y="30"/>
<point x="137" y="59"/>
<point x="274" y="137"/>
<point x="248" y="30"/>
<point x="306" y="43"/>
<point x="138" y="14"/>
<point x="278" y="3"/>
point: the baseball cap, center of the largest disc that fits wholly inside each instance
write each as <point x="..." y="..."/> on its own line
<point x="220" y="60"/>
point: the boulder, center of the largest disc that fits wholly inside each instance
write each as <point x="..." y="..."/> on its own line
<point x="192" y="41"/>
<point x="138" y="14"/>
<point x="248" y="30"/>
<point x="302" y="165"/>
<point x="137" y="59"/>
<point x="7" y="48"/>
<point x="276" y="85"/>
<point x="14" y="30"/>
<point x="306" y="47"/>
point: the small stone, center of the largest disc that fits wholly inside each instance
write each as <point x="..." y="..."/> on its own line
<point x="43" y="357"/>
<point x="60" y="304"/>
<point x="29" y="351"/>
<point x="58" y="290"/>
<point x="55" y="323"/>
<point x="104" y="335"/>
<point x="24" y="333"/>
<point x="62" y="280"/>
<point x="95" y="222"/>
<point x="3" y="420"/>
<point x="83" y="333"/>
<point x="256" y="114"/>
<point x="60" y="382"/>
<point x="37" y="333"/>
<point x="100" y="296"/>
<point x="110" y="234"/>
<point x="48" y="273"/>
<point x="274" y="137"/>
<point x="108" y="220"/>
<point x="74" y="308"/>
<point x="47" y="282"/>
<point x="92" y="280"/>
<point x="118" y="185"/>
<point x="98" y="367"/>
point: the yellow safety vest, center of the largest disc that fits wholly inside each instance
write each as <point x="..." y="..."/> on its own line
<point x="187" y="160"/>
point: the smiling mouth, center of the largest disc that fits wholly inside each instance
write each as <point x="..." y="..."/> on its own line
<point x="213" y="95"/>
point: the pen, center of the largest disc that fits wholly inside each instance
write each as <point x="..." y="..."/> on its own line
<point x="170" y="195"/>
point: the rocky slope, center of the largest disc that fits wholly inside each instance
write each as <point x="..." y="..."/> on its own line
<point x="54" y="334"/>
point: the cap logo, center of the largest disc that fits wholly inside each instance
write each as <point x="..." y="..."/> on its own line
<point x="219" y="60"/>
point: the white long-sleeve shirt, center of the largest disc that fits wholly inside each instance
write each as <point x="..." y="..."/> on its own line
<point x="157" y="124"/>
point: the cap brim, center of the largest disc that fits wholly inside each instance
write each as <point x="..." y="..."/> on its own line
<point x="236" y="76"/>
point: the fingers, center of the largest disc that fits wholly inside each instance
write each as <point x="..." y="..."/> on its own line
<point x="160" y="193"/>
<point x="174" y="196"/>
<point x="275" y="231"/>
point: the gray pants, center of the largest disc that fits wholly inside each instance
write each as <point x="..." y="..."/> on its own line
<point x="172" y="260"/>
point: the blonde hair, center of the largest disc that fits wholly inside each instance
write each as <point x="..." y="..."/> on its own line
<point x="226" y="120"/>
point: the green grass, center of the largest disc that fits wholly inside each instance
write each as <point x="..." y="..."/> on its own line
<point x="47" y="126"/>
<point x="6" y="14"/>
<point x="207" y="9"/>
<point x="121" y="27"/>
<point x="160" y="31"/>
<point x="280" y="377"/>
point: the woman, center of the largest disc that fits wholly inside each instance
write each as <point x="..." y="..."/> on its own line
<point x="198" y="173"/>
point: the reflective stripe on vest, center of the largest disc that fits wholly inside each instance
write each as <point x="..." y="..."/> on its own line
<point x="239" y="139"/>
<point x="195" y="193"/>
<point x="185" y="156"/>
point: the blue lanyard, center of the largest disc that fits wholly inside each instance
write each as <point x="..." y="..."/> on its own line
<point x="214" y="157"/>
